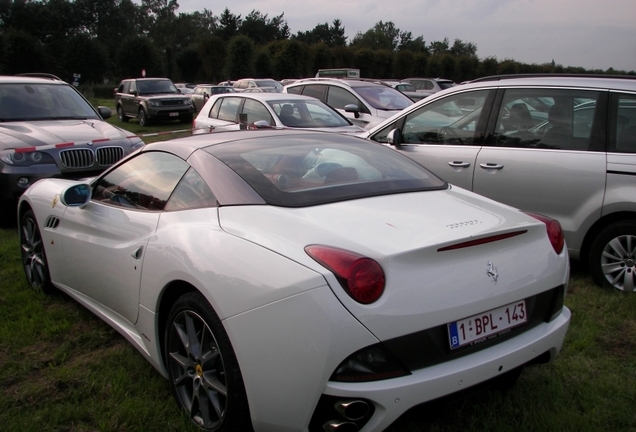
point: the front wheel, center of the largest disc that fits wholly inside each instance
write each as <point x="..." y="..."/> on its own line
<point x="612" y="259"/>
<point x="34" y="261"/>
<point x="203" y="369"/>
<point x="120" y="115"/>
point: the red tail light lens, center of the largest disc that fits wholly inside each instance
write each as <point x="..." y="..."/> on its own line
<point x="361" y="277"/>
<point x="555" y="233"/>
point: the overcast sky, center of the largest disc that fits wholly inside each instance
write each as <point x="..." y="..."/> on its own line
<point x="593" y="34"/>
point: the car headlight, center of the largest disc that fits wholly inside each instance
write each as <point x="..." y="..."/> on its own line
<point x="154" y="103"/>
<point x="25" y="158"/>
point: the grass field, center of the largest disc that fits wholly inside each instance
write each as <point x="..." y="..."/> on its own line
<point x="62" y="369"/>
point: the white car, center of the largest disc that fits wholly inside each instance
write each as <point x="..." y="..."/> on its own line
<point x="365" y="103"/>
<point x="300" y="281"/>
<point x="257" y="110"/>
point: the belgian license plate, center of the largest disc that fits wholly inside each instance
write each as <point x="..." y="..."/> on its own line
<point x="484" y="326"/>
<point x="174" y="114"/>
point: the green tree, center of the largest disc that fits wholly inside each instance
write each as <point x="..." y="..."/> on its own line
<point x="190" y="65"/>
<point x="489" y="66"/>
<point x="94" y="57"/>
<point x="261" y="30"/>
<point x="263" y="66"/>
<point x="240" y="57"/>
<point x="460" y="48"/>
<point x="137" y="53"/>
<point x="213" y="55"/>
<point x="449" y="67"/>
<point x="25" y="53"/>
<point x="364" y="59"/>
<point x="439" y="47"/>
<point x="403" y="64"/>
<point x="228" y="25"/>
<point x="383" y="64"/>
<point x="381" y="36"/>
<point x="321" y="58"/>
<point x="420" y="64"/>
<point x="290" y="63"/>
<point x="324" y="33"/>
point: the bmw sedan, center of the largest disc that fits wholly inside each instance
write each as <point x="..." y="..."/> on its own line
<point x="300" y="281"/>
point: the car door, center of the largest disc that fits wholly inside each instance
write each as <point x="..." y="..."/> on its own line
<point x="443" y="136"/>
<point x="129" y="98"/>
<point x="338" y="98"/>
<point x="224" y="114"/>
<point x="561" y="175"/>
<point x="105" y="240"/>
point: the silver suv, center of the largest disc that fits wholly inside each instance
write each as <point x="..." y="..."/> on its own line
<point x="365" y="103"/>
<point x="563" y="146"/>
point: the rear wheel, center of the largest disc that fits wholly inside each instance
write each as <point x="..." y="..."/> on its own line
<point x="612" y="259"/>
<point x="34" y="260"/>
<point x="203" y="369"/>
<point x="143" y="117"/>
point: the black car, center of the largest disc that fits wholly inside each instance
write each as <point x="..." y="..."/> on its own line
<point x="149" y="99"/>
<point x="48" y="129"/>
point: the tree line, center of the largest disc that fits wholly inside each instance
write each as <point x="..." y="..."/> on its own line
<point x="107" y="40"/>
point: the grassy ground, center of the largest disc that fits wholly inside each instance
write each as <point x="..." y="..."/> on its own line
<point x="62" y="369"/>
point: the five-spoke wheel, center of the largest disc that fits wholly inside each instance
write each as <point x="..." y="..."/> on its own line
<point x="33" y="256"/>
<point x="613" y="256"/>
<point x="203" y="369"/>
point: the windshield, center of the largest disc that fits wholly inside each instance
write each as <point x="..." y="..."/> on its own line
<point x="309" y="169"/>
<point x="307" y="114"/>
<point x="156" y="87"/>
<point x="384" y="98"/>
<point x="271" y="84"/>
<point x="43" y="102"/>
<point x="445" y="84"/>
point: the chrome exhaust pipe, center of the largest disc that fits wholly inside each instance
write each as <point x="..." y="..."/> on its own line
<point x="352" y="409"/>
<point x="340" y="426"/>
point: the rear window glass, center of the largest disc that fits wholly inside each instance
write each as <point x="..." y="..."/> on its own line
<point x="302" y="170"/>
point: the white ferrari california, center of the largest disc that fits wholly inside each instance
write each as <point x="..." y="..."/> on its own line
<point x="300" y="281"/>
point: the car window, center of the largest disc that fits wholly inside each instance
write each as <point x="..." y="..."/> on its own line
<point x="546" y="118"/>
<point x="626" y="124"/>
<point x="256" y="111"/>
<point x="144" y="182"/>
<point x="338" y="98"/>
<point x="42" y="102"/>
<point x="307" y="114"/>
<point x="228" y="109"/>
<point x="295" y="90"/>
<point x="316" y="91"/>
<point x="301" y="171"/>
<point x="384" y="98"/>
<point x="443" y="121"/>
<point x="191" y="192"/>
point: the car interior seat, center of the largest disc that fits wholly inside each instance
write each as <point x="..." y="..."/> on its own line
<point x="341" y="175"/>
<point x="519" y="118"/>
<point x="560" y="131"/>
<point x="287" y="115"/>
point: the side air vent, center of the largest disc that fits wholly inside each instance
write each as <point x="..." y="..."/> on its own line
<point x="51" y="222"/>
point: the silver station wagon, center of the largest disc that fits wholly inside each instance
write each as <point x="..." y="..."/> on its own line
<point x="559" y="145"/>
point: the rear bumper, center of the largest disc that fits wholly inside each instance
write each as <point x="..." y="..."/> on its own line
<point x="394" y="397"/>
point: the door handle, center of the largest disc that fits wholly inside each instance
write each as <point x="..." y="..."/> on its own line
<point x="491" y="166"/>
<point x="459" y="164"/>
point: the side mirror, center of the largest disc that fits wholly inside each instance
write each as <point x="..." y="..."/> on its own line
<point x="105" y="112"/>
<point x="260" y="124"/>
<point x="76" y="196"/>
<point x="353" y="108"/>
<point x="394" y="138"/>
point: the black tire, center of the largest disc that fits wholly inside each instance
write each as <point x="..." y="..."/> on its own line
<point x="143" y="117"/>
<point x="612" y="259"/>
<point x="120" y="115"/>
<point x="34" y="261"/>
<point x="206" y="382"/>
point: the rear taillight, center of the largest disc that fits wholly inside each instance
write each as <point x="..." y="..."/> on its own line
<point x="555" y="233"/>
<point x="361" y="277"/>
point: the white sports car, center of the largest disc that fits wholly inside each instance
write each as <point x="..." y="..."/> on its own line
<point x="300" y="281"/>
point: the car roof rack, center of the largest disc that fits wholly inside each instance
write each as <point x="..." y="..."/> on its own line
<point x="40" y="75"/>
<point x="549" y="75"/>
